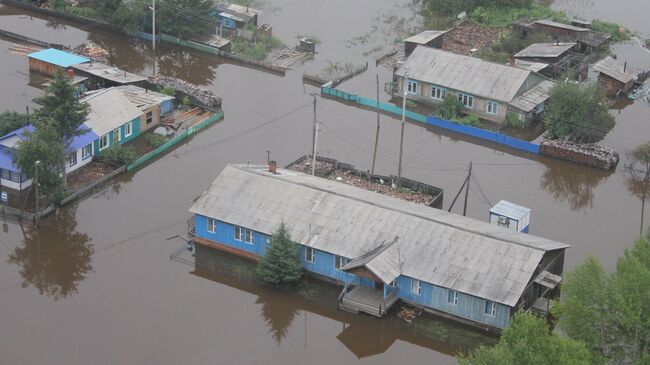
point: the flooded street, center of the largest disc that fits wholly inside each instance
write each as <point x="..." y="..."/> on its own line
<point x="95" y="284"/>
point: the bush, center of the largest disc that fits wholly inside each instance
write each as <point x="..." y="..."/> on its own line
<point x="512" y="119"/>
<point x="167" y="90"/>
<point x="119" y="155"/>
<point x="10" y="121"/>
<point x="612" y="29"/>
<point x="470" y="120"/>
<point x="450" y="108"/>
<point x="154" y="139"/>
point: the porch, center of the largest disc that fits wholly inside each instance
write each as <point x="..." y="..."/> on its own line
<point x="367" y="300"/>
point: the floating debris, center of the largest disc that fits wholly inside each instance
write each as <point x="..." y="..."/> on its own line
<point x="408" y="314"/>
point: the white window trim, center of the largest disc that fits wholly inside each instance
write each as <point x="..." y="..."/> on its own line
<point x="76" y="159"/>
<point x="408" y="87"/>
<point x="443" y="92"/>
<point x="117" y="134"/>
<point x="496" y="107"/>
<point x="418" y="286"/>
<point x="212" y="225"/>
<point x="341" y="261"/>
<point x="89" y="154"/>
<point x="461" y="96"/>
<point x="454" y="301"/>
<point x="310" y="258"/>
<point x="235" y="233"/>
<point x="248" y="232"/>
<point x="493" y="309"/>
<point x="128" y="129"/>
<point x="108" y="142"/>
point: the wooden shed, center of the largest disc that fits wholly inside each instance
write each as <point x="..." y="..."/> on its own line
<point x="48" y="61"/>
<point x="614" y="76"/>
<point x="429" y="38"/>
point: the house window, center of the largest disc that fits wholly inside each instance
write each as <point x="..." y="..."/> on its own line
<point x="237" y="233"/>
<point x="412" y="87"/>
<point x="467" y="100"/>
<point x="452" y="297"/>
<point x="72" y="158"/>
<point x="490" y="308"/>
<point x="438" y="93"/>
<point x="103" y="142"/>
<point x="86" y="151"/>
<point x="415" y="287"/>
<point x="212" y="225"/>
<point x="339" y="262"/>
<point x="6" y="174"/>
<point x="309" y="255"/>
<point x="248" y="238"/>
<point x="128" y="129"/>
<point x="116" y="135"/>
<point x="14" y="176"/>
<point x="492" y="107"/>
<point x="149" y="117"/>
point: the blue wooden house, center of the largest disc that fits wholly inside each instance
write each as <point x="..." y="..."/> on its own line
<point x="379" y="248"/>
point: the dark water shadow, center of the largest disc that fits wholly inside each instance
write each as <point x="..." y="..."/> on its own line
<point x="54" y="258"/>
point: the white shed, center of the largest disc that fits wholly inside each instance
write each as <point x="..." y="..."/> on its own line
<point x="510" y="216"/>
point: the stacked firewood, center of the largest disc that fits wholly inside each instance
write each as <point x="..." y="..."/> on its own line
<point x="589" y="154"/>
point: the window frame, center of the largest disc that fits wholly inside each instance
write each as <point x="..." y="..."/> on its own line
<point x="106" y="144"/>
<point x="237" y="233"/>
<point x="128" y="129"/>
<point x="248" y="233"/>
<point x="310" y="255"/>
<point x="462" y="97"/>
<point x="117" y="135"/>
<point x="442" y="91"/>
<point x="492" y="306"/>
<point x="418" y="286"/>
<point x="212" y="225"/>
<point x="72" y="156"/>
<point x="489" y="104"/>
<point x="5" y="174"/>
<point x="452" y="297"/>
<point x="408" y="87"/>
<point x="148" y="117"/>
<point x="83" y="150"/>
<point x="339" y="262"/>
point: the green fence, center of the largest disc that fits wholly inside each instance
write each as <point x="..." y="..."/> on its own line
<point x="190" y="44"/>
<point x="174" y="141"/>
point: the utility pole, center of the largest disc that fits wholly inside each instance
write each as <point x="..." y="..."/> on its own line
<point x="469" y="177"/>
<point x="314" y="127"/>
<point x="374" y="155"/>
<point x="37" y="209"/>
<point x="313" y="163"/>
<point x="401" y="141"/>
<point x="268" y="157"/>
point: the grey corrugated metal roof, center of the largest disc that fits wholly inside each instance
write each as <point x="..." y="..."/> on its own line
<point x="543" y="50"/>
<point x="531" y="66"/>
<point x="614" y="69"/>
<point x="463" y="73"/>
<point x="435" y="246"/>
<point x="425" y="37"/>
<point x="108" y="72"/>
<point x="533" y="97"/>
<point x="383" y="261"/>
<point x="555" y="24"/>
<point x="510" y="210"/>
<point x="595" y="39"/>
<point x="109" y="109"/>
<point x="142" y="98"/>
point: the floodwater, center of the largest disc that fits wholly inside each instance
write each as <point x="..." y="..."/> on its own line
<point x="95" y="284"/>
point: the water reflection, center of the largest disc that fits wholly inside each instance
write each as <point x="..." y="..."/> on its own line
<point x="576" y="187"/>
<point x="54" y="258"/>
<point x="361" y="335"/>
<point x="134" y="58"/>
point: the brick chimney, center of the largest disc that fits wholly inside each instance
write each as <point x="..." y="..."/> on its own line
<point x="70" y="73"/>
<point x="273" y="167"/>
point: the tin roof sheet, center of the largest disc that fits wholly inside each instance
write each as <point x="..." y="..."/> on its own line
<point x="59" y="58"/>
<point x="614" y="69"/>
<point x="544" y="50"/>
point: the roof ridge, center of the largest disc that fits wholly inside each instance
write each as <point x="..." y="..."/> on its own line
<point x="251" y="170"/>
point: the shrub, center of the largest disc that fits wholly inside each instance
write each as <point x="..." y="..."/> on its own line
<point x="10" y="121"/>
<point x="154" y="139"/>
<point x="617" y="32"/>
<point x="167" y="90"/>
<point x="512" y="119"/>
<point x="119" y="155"/>
<point x="450" y="108"/>
<point x="281" y="264"/>
<point x="470" y="120"/>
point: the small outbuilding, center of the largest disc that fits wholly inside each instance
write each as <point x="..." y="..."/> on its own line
<point x="545" y="52"/>
<point x="560" y="30"/>
<point x="50" y="60"/>
<point x="510" y="216"/>
<point x="593" y="42"/>
<point x="428" y="38"/>
<point x="614" y="76"/>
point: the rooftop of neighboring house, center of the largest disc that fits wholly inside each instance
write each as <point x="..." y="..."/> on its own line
<point x="552" y="23"/>
<point x="143" y="98"/>
<point x="464" y="73"/>
<point x="615" y="69"/>
<point x="238" y="12"/>
<point x="109" y="109"/>
<point x="108" y="72"/>
<point x="529" y="100"/>
<point x="391" y="237"/>
<point x="545" y="50"/>
<point x="58" y="58"/>
<point x="425" y="37"/>
<point x="531" y="66"/>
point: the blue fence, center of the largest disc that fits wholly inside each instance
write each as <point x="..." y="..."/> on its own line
<point x="479" y="133"/>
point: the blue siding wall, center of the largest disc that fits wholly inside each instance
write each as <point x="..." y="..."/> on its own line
<point x="469" y="307"/>
<point x="324" y="265"/>
<point x="225" y="234"/>
<point x="166" y="107"/>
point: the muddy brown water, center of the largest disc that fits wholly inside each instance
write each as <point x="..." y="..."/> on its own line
<point x="95" y="284"/>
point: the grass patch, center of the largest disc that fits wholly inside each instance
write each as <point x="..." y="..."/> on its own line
<point x="503" y="16"/>
<point x="617" y="32"/>
<point x="256" y="50"/>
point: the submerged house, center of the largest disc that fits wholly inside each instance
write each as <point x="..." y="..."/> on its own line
<point x="381" y="249"/>
<point x="614" y="76"/>
<point x="489" y="90"/>
<point x="80" y="152"/>
<point x="48" y="61"/>
<point x="232" y="17"/>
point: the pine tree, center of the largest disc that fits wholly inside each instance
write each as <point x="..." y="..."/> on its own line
<point x="281" y="264"/>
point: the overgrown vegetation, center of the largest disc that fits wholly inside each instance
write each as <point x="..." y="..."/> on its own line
<point x="452" y="109"/>
<point x="337" y="70"/>
<point x="513" y="120"/>
<point x="119" y="155"/>
<point x="258" y="49"/>
<point x="154" y="139"/>
<point x="509" y="44"/>
<point x="167" y="90"/>
<point x="10" y="121"/>
<point x="616" y="31"/>
<point x="578" y="112"/>
<point x="280" y="264"/>
<point x="502" y="16"/>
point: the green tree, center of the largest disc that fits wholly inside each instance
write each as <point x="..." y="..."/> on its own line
<point x="281" y="263"/>
<point x="186" y="18"/>
<point x="639" y="175"/>
<point x="578" y="112"/>
<point x="41" y="145"/>
<point x="10" y="121"/>
<point x="528" y="341"/>
<point x="61" y="110"/>
<point x="450" y="108"/>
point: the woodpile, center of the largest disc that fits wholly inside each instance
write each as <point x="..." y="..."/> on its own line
<point x="408" y="314"/>
<point x="92" y="51"/>
<point x="467" y="36"/>
<point x="589" y="154"/>
<point x="201" y="95"/>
